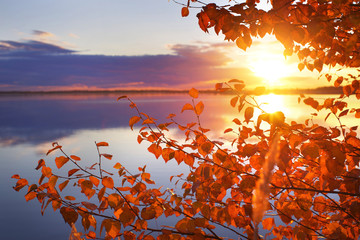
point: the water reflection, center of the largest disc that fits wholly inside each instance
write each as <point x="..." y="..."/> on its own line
<point x="30" y="123"/>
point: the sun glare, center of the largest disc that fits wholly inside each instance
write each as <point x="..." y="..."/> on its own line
<point x="271" y="68"/>
<point x="272" y="103"/>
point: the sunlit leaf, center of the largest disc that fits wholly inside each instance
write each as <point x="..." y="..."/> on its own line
<point x="60" y="161"/>
<point x="108" y="182"/>
<point x="76" y="158"/>
<point x="63" y="185"/>
<point x="184" y="11"/>
<point x="199" y="108"/>
<point x="102" y="144"/>
<point x="187" y="106"/>
<point x="133" y="120"/>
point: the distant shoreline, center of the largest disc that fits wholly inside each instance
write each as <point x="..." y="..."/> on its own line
<point x="320" y="90"/>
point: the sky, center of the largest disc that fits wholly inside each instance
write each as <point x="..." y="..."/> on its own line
<point x="128" y="44"/>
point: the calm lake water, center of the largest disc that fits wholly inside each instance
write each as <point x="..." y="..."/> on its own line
<point x="30" y="123"/>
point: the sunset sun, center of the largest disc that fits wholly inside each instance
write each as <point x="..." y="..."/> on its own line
<point x="271" y="68"/>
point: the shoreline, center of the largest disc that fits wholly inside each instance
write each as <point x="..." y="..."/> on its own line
<point x="320" y="90"/>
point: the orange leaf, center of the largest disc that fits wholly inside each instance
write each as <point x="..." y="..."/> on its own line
<point x="344" y="113"/>
<point x="60" y="161"/>
<point x="249" y="112"/>
<point x="194" y="93"/>
<point x="89" y="206"/>
<point x="117" y="166"/>
<point x="121" y="97"/>
<point x="108" y="182"/>
<point x="91" y="235"/>
<point x="46" y="171"/>
<point x="187" y="106"/>
<point x="233" y="101"/>
<point x="133" y="120"/>
<point x="41" y="163"/>
<point x="20" y="184"/>
<point x="347" y="90"/>
<point x="72" y="171"/>
<point x="241" y="43"/>
<point x="301" y="66"/>
<point x="63" y="185"/>
<point x="16" y="176"/>
<point x="102" y="144"/>
<point x="199" y="108"/>
<point x="239" y="87"/>
<point x="268" y="223"/>
<point x="76" y="158"/>
<point x="30" y="196"/>
<point x="70" y="215"/>
<point x="70" y="198"/>
<point x="185" y="12"/>
<point x="52" y="181"/>
<point x="94" y="180"/>
<point x="108" y="156"/>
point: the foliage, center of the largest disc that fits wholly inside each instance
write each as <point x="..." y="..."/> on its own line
<point x="318" y="31"/>
<point x="295" y="180"/>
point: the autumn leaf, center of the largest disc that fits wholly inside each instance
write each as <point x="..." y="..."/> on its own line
<point x="133" y="120"/>
<point x="184" y="11"/>
<point x="268" y="223"/>
<point x="233" y="101"/>
<point x="199" y="108"/>
<point x="63" y="185"/>
<point x="249" y="112"/>
<point x="108" y="156"/>
<point x="20" y="184"/>
<point x="187" y="106"/>
<point x="41" y="163"/>
<point x="30" y="196"/>
<point x="46" y="171"/>
<point x="194" y="93"/>
<point x="108" y="182"/>
<point x="72" y="172"/>
<point x="70" y="215"/>
<point x="102" y="144"/>
<point x="60" y="161"/>
<point x="74" y="157"/>
<point x="89" y="205"/>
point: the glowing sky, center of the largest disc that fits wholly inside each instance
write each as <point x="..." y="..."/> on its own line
<point x="136" y="44"/>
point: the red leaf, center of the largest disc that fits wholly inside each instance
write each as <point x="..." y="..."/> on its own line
<point x="41" y="163"/>
<point x="133" y="120"/>
<point x="108" y="156"/>
<point x="70" y="215"/>
<point x="76" y="158"/>
<point x="185" y="12"/>
<point x="60" y="161"/>
<point x="121" y="97"/>
<point x="102" y="144"/>
<point x="187" y="106"/>
<point x="72" y="171"/>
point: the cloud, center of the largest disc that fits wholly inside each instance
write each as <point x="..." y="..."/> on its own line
<point x="30" y="48"/>
<point x="42" y="34"/>
<point x="35" y="65"/>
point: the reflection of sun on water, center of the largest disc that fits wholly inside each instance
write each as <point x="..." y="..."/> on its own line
<point x="272" y="103"/>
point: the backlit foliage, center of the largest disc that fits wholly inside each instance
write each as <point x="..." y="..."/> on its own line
<point x="293" y="180"/>
<point x="318" y="31"/>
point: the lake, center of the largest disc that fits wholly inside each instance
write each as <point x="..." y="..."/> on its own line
<point x="30" y="123"/>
